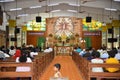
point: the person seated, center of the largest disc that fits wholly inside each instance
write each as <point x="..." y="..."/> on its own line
<point x="97" y="59"/>
<point x="78" y="50"/>
<point x="3" y="55"/>
<point x="87" y="54"/>
<point x="118" y="49"/>
<point x="104" y="54"/>
<point x="117" y="56"/>
<point x="17" y="53"/>
<point x="82" y="52"/>
<point x="112" y="60"/>
<point x="51" y="49"/>
<point x="33" y="52"/>
<point x="12" y="50"/>
<point x="57" y="68"/>
<point x="47" y="50"/>
<point x="23" y="58"/>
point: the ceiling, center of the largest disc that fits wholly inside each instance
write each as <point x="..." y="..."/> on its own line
<point x="51" y="8"/>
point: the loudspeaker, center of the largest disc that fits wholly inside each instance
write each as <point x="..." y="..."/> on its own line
<point x="13" y="39"/>
<point x="17" y="30"/>
<point x="38" y="19"/>
<point x="88" y="19"/>
<point x="112" y="40"/>
<point x="110" y="31"/>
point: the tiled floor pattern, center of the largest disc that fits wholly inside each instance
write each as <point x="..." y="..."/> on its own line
<point x="68" y="69"/>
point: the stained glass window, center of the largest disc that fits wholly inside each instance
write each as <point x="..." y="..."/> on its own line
<point x="93" y="25"/>
<point x="37" y="26"/>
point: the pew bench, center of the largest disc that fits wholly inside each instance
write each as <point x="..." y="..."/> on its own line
<point x="13" y="74"/>
<point x="100" y="75"/>
<point x="86" y="66"/>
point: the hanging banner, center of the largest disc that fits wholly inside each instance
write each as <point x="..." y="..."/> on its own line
<point x="24" y="28"/>
<point x="109" y="25"/>
<point x="116" y="23"/>
<point x="104" y="28"/>
<point x="12" y="23"/>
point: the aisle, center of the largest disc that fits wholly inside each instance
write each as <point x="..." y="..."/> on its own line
<point x="68" y="69"/>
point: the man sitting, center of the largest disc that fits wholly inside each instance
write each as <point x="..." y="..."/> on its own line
<point x="112" y="60"/>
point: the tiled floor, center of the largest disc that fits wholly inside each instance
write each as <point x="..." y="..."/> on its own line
<point x="68" y="69"/>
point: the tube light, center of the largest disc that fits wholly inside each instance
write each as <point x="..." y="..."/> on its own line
<point x="56" y="10"/>
<point x="117" y="0"/>
<point x="111" y="9"/>
<point x="15" y="9"/>
<point x="22" y="15"/>
<point x="35" y="7"/>
<point x="72" y="11"/>
<point x="6" y="0"/>
<point x="74" y="4"/>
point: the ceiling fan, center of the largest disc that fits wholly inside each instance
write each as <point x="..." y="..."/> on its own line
<point x="85" y="1"/>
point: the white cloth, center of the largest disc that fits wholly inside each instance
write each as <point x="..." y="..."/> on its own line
<point x="6" y="55"/>
<point x="50" y="49"/>
<point x="46" y="50"/>
<point x="97" y="69"/>
<point x="12" y="52"/>
<point x="23" y="68"/>
<point x="117" y="56"/>
<point x="32" y="54"/>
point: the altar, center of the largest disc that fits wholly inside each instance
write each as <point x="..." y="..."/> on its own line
<point x="63" y="50"/>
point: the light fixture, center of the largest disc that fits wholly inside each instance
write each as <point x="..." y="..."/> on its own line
<point x="72" y="10"/>
<point x="35" y="7"/>
<point x="117" y="0"/>
<point x="56" y="10"/>
<point x="6" y="0"/>
<point x="15" y="9"/>
<point x="53" y="4"/>
<point x="73" y="4"/>
<point x="111" y="9"/>
<point x="21" y="15"/>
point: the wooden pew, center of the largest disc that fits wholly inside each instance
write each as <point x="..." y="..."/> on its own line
<point x="38" y="66"/>
<point x="86" y="66"/>
<point x="12" y="74"/>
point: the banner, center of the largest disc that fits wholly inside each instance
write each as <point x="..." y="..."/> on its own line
<point x="116" y="23"/>
<point x="12" y="23"/>
<point x="24" y="28"/>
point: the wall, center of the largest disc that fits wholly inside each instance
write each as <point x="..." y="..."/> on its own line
<point x="32" y="37"/>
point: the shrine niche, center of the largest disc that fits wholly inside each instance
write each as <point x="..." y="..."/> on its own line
<point x="63" y="31"/>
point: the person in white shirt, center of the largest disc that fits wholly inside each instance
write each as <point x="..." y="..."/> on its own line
<point x="33" y="52"/>
<point x="97" y="60"/>
<point x="47" y="50"/>
<point x="12" y="50"/>
<point x="23" y="58"/>
<point x="51" y="49"/>
<point x="117" y="56"/>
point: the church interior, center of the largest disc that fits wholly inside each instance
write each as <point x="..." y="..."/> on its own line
<point x="59" y="39"/>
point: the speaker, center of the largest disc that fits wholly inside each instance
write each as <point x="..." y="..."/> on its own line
<point x="17" y="30"/>
<point x="13" y="39"/>
<point x="88" y="19"/>
<point x="38" y="19"/>
<point x="112" y="40"/>
<point x="110" y="31"/>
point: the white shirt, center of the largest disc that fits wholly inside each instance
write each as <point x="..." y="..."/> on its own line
<point x="6" y="55"/>
<point x="12" y="52"/>
<point x="23" y="68"/>
<point x="33" y="53"/>
<point x="50" y="49"/>
<point x="97" y="69"/>
<point x="117" y="56"/>
<point x="46" y="50"/>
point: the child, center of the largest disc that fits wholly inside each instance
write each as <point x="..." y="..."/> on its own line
<point x="57" y="68"/>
